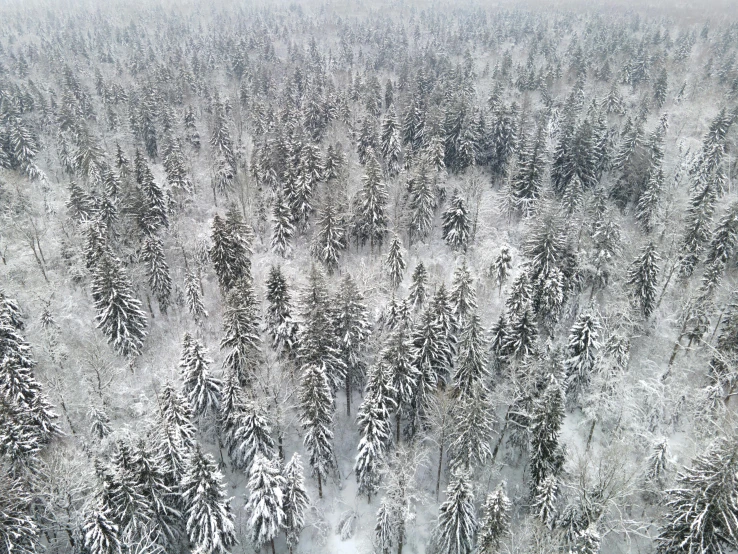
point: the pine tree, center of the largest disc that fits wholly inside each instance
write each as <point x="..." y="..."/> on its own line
<point x="316" y="416"/>
<point x="372" y="221"/>
<point x="200" y="387"/>
<point x="697" y="228"/>
<point x="528" y="180"/>
<point x="265" y="501"/>
<point x="352" y="330"/>
<point x="177" y="412"/>
<point x="587" y="541"/>
<point x="367" y="140"/>
<point x="395" y="262"/>
<point x="376" y="434"/>
<point x="648" y="203"/>
<point x="398" y="356"/>
<point x="457" y="520"/>
<point x="283" y="228"/>
<point x="455" y="223"/>
<point x="279" y="323"/>
<point x="119" y="314"/>
<point x="241" y="338"/>
<point x="296" y="501"/>
<point x="330" y="239"/>
<point x="384" y="529"/>
<point x="206" y="509"/>
<point x="642" y="276"/>
<point x="158" y="269"/>
<point x="417" y="294"/>
<point x="100" y="533"/>
<point x="390" y="142"/>
<point x="229" y="252"/>
<point x="545" y="426"/>
<point x="249" y="436"/>
<point x="521" y="337"/>
<point x="471" y="361"/>
<point x="463" y="293"/>
<point x="583" y="346"/>
<point x="495" y="523"/>
<point x="153" y="211"/>
<point x="191" y="132"/>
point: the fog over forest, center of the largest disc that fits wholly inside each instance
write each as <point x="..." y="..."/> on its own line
<point x="368" y="277"/>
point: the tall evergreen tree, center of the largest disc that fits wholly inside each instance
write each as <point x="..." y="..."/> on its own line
<point x="101" y="535"/>
<point x="371" y="224"/>
<point x="296" y="501"/>
<point x="376" y="434"/>
<point x="207" y="511"/>
<point x="119" y="313"/>
<point x="455" y="223"/>
<point x="545" y="425"/>
<point x="330" y="238"/>
<point x="279" y="322"/>
<point x="249" y="436"/>
<point x="471" y="434"/>
<point x="316" y="416"/>
<point x="390" y="142"/>
<point x="160" y="281"/>
<point x="471" y="360"/>
<point x="395" y="262"/>
<point x="642" y="276"/>
<point x="241" y="338"/>
<point x="200" y="387"/>
<point x="422" y="204"/>
<point x="417" y="294"/>
<point x="265" y="502"/>
<point x="495" y="524"/>
<point x="283" y="228"/>
<point x="457" y="520"/>
<point x="582" y="352"/>
<point x="463" y="293"/>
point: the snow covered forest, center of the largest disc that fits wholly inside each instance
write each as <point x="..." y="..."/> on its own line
<point x="368" y="277"/>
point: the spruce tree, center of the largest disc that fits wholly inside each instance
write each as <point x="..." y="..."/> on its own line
<point x="241" y="338"/>
<point x="372" y="221"/>
<point x="697" y="232"/>
<point x="229" y="253"/>
<point x="296" y="501"/>
<point x="501" y="267"/>
<point x="352" y="329"/>
<point x="642" y="276"/>
<point x="207" y="511"/>
<point x="283" y="228"/>
<point x="101" y="535"/>
<point x="316" y="417"/>
<point x="495" y="524"/>
<point x="528" y="180"/>
<point x="417" y="294"/>
<point x="390" y="142"/>
<point x="200" y="387"/>
<point x="455" y="223"/>
<point x="463" y="294"/>
<point x="265" y="502"/>
<point x="376" y="434"/>
<point x="471" y="434"/>
<point x="249" y="436"/>
<point x="422" y="204"/>
<point x="119" y="313"/>
<point x="195" y="304"/>
<point x="702" y="512"/>
<point x="279" y="322"/>
<point x="457" y="521"/>
<point x="160" y="281"/>
<point x="545" y="499"/>
<point x="471" y="360"/>
<point x="545" y="425"/>
<point x="582" y="350"/>
<point x="330" y="238"/>
<point x="395" y="262"/>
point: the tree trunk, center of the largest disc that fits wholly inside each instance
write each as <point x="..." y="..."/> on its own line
<point x="591" y="432"/>
<point x="440" y="464"/>
<point x="502" y="434"/>
<point x="320" y="486"/>
<point x="348" y="393"/>
<point x="399" y="538"/>
<point x="397" y="424"/>
<point x="273" y="550"/>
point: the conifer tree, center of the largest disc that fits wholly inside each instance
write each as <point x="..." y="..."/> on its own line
<point x="697" y="229"/>
<point x="194" y="297"/>
<point x="249" y="436"/>
<point x="200" y="387"/>
<point x="191" y="132"/>
<point x="582" y="352"/>
<point x="702" y="512"/>
<point x="241" y="338"/>
<point x="642" y="276"/>
<point x="101" y="535"/>
<point x="390" y="142"/>
<point x="229" y="253"/>
<point x="153" y="211"/>
<point x="495" y="524"/>
<point x="545" y="426"/>
<point x="265" y="502"/>
<point x="544" y="500"/>
<point x="471" y="434"/>
<point x="471" y="360"/>
<point x="457" y="520"/>
<point x="296" y="500"/>
<point x="455" y="223"/>
<point x="119" y="313"/>
<point x="422" y="204"/>
<point x="283" y="228"/>
<point x="648" y="203"/>
<point x="520" y="337"/>
<point x="279" y="323"/>
<point x="372" y="220"/>
<point x="160" y="281"/>
<point x="528" y="180"/>
<point x="316" y="416"/>
<point x="330" y="239"/>
<point x="395" y="262"/>
<point x="376" y="434"/>
<point x="207" y="511"/>
<point x="177" y="412"/>
<point x="417" y="294"/>
<point x="501" y="267"/>
<point x="463" y="294"/>
<point x="352" y="331"/>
